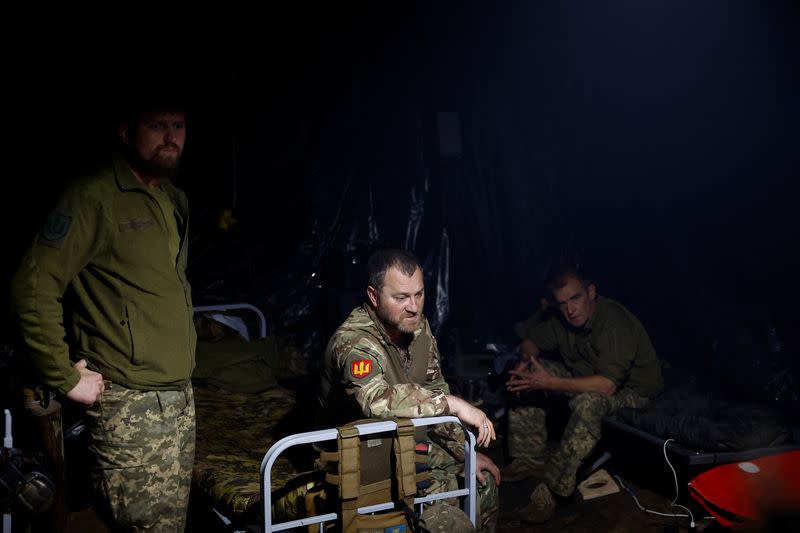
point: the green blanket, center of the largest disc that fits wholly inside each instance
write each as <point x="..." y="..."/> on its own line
<point x="248" y="367"/>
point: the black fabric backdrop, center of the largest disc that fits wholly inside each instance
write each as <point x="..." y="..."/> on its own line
<point x="655" y="142"/>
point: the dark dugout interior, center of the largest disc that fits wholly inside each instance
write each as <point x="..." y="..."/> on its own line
<point x="653" y="142"/>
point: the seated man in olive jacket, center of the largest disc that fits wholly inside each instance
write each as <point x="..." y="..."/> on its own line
<point x="606" y="362"/>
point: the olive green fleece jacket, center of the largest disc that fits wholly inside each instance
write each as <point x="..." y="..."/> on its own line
<point x="99" y="283"/>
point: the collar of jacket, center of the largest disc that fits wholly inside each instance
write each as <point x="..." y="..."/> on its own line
<point x="597" y="316"/>
<point x="126" y="179"/>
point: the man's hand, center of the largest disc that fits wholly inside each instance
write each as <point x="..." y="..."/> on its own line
<point x="89" y="387"/>
<point x="523" y="365"/>
<point x="537" y="379"/>
<point x="473" y="416"/>
<point x="483" y="463"/>
<point x="528" y="350"/>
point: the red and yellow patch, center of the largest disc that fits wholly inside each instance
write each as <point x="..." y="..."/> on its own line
<point x="361" y="368"/>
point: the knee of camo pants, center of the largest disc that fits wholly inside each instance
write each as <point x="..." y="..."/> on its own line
<point x="442" y="481"/>
<point x="590" y="408"/>
<point x="444" y="518"/>
<point x="143" y="451"/>
<point x="487" y="498"/>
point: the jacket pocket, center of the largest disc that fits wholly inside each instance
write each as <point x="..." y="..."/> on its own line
<point x="138" y="341"/>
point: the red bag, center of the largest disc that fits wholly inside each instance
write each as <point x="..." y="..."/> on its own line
<point x="741" y="495"/>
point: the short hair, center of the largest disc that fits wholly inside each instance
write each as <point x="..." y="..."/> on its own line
<point x="560" y="276"/>
<point x="131" y="112"/>
<point x="382" y="260"/>
<point x="138" y="98"/>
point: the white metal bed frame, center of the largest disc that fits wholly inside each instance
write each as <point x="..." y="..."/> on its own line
<point x="262" y="320"/>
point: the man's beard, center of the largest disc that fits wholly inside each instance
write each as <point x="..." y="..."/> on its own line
<point x="403" y="326"/>
<point x="408" y="326"/>
<point x="156" y="166"/>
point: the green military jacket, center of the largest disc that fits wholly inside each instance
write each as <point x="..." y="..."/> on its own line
<point x="100" y="283"/>
<point x="365" y="375"/>
<point x="612" y="344"/>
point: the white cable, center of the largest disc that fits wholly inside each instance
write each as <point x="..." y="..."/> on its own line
<point x="677" y="493"/>
<point x="675" y="476"/>
<point x="629" y="491"/>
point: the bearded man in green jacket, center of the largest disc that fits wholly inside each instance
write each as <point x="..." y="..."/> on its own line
<point x="103" y="307"/>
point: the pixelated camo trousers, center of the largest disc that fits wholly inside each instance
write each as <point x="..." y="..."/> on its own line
<point x="527" y="432"/>
<point x="142" y="446"/>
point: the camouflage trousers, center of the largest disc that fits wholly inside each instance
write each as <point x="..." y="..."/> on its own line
<point x="527" y="430"/>
<point x="445" y="474"/>
<point x="142" y="447"/>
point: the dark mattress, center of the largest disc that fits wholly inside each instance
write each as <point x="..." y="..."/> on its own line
<point x="708" y="428"/>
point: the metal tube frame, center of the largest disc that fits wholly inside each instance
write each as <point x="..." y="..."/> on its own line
<point x="368" y="428"/>
<point x="262" y="320"/>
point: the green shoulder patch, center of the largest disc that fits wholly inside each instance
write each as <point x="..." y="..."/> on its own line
<point x="56" y="227"/>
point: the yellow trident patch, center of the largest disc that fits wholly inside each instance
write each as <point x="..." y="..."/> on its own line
<point x="361" y="368"/>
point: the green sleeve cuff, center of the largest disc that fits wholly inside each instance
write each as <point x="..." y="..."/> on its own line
<point x="614" y="377"/>
<point x="66" y="383"/>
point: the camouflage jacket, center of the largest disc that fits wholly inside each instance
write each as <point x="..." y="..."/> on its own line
<point x="365" y="375"/>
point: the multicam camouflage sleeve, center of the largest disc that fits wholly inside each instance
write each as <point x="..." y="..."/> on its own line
<point x="364" y="365"/>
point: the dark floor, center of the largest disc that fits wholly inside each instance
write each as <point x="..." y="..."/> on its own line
<point x="85" y="521"/>
<point x="615" y="513"/>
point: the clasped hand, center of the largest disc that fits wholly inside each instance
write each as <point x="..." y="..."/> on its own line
<point x="528" y="375"/>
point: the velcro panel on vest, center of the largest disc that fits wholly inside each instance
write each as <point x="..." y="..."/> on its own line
<point x="376" y="461"/>
<point x="364" y="472"/>
<point x="405" y="459"/>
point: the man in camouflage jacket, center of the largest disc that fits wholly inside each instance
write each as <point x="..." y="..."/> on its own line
<point x="383" y="362"/>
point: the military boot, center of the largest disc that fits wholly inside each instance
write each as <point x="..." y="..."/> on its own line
<point x="541" y="508"/>
<point x="521" y="468"/>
